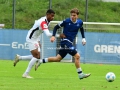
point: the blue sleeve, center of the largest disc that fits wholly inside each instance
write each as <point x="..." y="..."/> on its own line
<point x="62" y="23"/>
<point x="57" y="27"/>
<point x="55" y="30"/>
<point x="82" y="31"/>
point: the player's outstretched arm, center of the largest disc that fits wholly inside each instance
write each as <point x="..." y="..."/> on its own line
<point x="52" y="39"/>
<point x="47" y="32"/>
<point x="57" y="35"/>
<point x="55" y="30"/>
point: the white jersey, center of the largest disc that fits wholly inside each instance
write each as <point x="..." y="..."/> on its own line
<point x="39" y="26"/>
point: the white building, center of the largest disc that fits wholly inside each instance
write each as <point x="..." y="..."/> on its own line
<point x="111" y="0"/>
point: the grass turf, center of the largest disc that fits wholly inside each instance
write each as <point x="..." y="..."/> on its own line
<point x="57" y="76"/>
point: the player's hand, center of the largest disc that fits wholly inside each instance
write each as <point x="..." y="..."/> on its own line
<point x="52" y="39"/>
<point x="83" y="41"/>
<point x="62" y="35"/>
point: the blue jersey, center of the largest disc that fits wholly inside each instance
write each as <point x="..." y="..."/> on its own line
<point x="70" y="29"/>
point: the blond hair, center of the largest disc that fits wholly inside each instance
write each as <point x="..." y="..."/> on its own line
<point x="75" y="10"/>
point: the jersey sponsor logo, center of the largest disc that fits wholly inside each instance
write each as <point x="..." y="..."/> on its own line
<point x="45" y="26"/>
<point x="72" y="48"/>
<point x="78" y="25"/>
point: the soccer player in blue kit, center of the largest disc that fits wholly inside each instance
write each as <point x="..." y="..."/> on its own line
<point x="71" y="27"/>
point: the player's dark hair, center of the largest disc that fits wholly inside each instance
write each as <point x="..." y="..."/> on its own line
<point x="49" y="11"/>
<point x="75" y="10"/>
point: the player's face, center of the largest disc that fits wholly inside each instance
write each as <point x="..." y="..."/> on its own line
<point x="73" y="17"/>
<point x="50" y="16"/>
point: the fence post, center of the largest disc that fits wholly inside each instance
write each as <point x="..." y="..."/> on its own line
<point x="13" y="20"/>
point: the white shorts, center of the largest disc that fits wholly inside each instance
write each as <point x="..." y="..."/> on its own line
<point x="34" y="45"/>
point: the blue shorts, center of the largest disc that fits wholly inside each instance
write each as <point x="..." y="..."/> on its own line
<point x="67" y="48"/>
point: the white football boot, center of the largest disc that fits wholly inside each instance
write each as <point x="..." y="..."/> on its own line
<point x="37" y="65"/>
<point x="26" y="76"/>
<point x="16" y="60"/>
<point x="82" y="75"/>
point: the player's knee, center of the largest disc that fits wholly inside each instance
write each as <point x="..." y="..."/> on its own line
<point x="58" y="59"/>
<point x="37" y="56"/>
<point x="77" y="56"/>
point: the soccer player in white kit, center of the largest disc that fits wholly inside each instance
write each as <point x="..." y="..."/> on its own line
<point x="33" y="39"/>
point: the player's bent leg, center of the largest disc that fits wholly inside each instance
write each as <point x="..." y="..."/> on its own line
<point x="58" y="58"/>
<point x="77" y="60"/>
<point x="36" y="54"/>
<point x="16" y="60"/>
<point x="38" y="63"/>
<point x="81" y="75"/>
<point x="30" y="65"/>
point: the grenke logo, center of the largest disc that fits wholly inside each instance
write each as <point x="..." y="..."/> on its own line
<point x="107" y="49"/>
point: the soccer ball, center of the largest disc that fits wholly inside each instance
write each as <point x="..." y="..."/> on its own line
<point x="110" y="76"/>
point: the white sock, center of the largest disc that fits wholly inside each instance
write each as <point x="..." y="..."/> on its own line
<point x="79" y="70"/>
<point x="30" y="65"/>
<point x="46" y="59"/>
<point x="27" y="57"/>
<point x="41" y="61"/>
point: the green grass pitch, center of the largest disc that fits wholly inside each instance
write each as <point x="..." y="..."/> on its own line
<point x="57" y="76"/>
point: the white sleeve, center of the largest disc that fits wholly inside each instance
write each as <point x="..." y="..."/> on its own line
<point x="47" y="32"/>
<point x="57" y="35"/>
